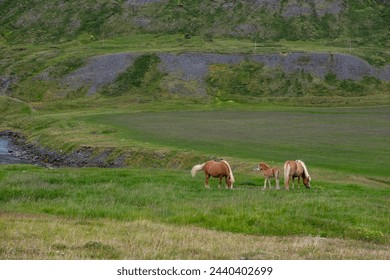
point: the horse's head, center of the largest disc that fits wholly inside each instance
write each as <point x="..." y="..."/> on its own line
<point x="306" y="181"/>
<point x="262" y="166"/>
<point x="230" y="182"/>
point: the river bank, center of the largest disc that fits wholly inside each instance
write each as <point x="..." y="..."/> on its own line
<point x="7" y="154"/>
<point x="16" y="149"/>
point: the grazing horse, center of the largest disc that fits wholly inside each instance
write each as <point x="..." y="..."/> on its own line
<point x="269" y="172"/>
<point x="216" y="169"/>
<point x="296" y="168"/>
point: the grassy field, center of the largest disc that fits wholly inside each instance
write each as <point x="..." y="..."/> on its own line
<point x="38" y="205"/>
<point x="344" y="139"/>
<point x="251" y="113"/>
<point x="344" y="216"/>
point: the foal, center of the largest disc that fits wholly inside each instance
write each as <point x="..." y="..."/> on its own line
<point x="269" y="172"/>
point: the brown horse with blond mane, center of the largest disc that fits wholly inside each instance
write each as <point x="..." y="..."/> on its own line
<point x="293" y="169"/>
<point x="216" y="169"/>
<point x="269" y="172"/>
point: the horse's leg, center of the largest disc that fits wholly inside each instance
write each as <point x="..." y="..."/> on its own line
<point x="293" y="182"/>
<point x="220" y="181"/>
<point x="277" y="180"/>
<point x="299" y="182"/>
<point x="265" y="184"/>
<point x="269" y="182"/>
<point x="207" y="181"/>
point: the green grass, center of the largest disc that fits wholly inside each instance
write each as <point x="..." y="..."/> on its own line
<point x="352" y="140"/>
<point x="93" y="20"/>
<point x="237" y="82"/>
<point x="142" y="74"/>
<point x="345" y="213"/>
<point x="172" y="196"/>
<point x="41" y="68"/>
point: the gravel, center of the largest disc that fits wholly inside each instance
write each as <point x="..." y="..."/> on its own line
<point x="99" y="71"/>
<point x="192" y="67"/>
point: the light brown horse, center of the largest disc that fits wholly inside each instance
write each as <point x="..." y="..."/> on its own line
<point x="269" y="172"/>
<point x="216" y="169"/>
<point x="296" y="168"/>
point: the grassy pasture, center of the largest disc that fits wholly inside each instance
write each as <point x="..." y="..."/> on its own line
<point x="344" y="216"/>
<point x="135" y="200"/>
<point x="341" y="139"/>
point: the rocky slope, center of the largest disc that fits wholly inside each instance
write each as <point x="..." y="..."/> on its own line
<point x="193" y="67"/>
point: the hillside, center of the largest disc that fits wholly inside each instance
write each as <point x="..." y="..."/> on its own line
<point x="58" y="20"/>
<point x="230" y="50"/>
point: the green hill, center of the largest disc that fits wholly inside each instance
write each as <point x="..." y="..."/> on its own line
<point x="359" y="21"/>
<point x="43" y="43"/>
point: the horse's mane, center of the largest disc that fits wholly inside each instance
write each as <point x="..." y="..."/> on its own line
<point x="304" y="168"/>
<point x="230" y="171"/>
<point x="265" y="165"/>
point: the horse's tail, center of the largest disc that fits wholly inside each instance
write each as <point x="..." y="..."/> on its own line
<point x="230" y="171"/>
<point x="196" y="168"/>
<point x="305" y="169"/>
<point x="287" y="169"/>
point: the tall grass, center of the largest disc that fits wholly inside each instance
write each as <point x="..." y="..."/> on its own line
<point x="54" y="237"/>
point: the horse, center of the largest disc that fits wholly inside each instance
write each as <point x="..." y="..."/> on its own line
<point x="216" y="169"/>
<point x="269" y="172"/>
<point x="296" y="168"/>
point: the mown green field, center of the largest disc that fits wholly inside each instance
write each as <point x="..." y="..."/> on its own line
<point x="343" y="216"/>
<point x="343" y="139"/>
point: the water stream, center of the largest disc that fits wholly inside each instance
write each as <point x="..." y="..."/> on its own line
<point x="6" y="155"/>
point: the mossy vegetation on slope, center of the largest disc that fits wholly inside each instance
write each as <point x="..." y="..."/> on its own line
<point x="247" y="80"/>
<point x="352" y="20"/>
<point x="142" y="77"/>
